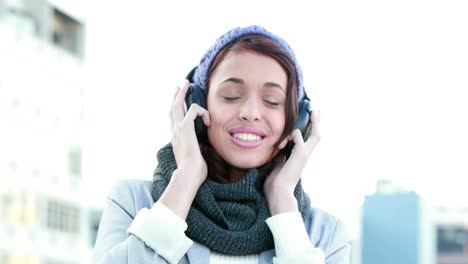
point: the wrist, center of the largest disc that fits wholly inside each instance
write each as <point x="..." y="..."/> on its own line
<point x="282" y="203"/>
<point x="190" y="173"/>
<point x="186" y="180"/>
<point x="179" y="194"/>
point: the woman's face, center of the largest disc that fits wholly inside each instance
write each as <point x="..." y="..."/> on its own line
<point x="246" y="102"/>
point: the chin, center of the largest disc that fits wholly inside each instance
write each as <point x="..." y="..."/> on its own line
<point x="246" y="163"/>
<point x="243" y="158"/>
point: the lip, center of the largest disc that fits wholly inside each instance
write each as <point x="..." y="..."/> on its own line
<point x="249" y="130"/>
<point x="247" y="144"/>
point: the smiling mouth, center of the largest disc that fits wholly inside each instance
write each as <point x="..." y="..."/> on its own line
<point x="246" y="140"/>
<point x="246" y="136"/>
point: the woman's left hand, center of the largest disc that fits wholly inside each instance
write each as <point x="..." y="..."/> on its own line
<point x="280" y="184"/>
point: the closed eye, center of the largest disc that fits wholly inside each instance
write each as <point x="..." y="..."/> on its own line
<point x="272" y="103"/>
<point x="230" y="99"/>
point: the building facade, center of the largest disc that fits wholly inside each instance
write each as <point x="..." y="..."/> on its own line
<point x="42" y="216"/>
<point x="397" y="227"/>
<point x="452" y="235"/>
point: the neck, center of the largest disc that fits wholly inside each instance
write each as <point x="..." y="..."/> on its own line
<point x="235" y="174"/>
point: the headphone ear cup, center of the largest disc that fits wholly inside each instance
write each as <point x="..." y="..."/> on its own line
<point x="303" y="118"/>
<point x="302" y="123"/>
<point x="196" y="95"/>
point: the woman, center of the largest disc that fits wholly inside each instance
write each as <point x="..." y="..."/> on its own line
<point x="231" y="193"/>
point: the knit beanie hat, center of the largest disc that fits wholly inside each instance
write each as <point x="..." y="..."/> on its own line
<point x="201" y="74"/>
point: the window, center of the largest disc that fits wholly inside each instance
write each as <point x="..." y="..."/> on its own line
<point x="451" y="239"/>
<point x="67" y="33"/>
<point x="74" y="162"/>
<point x="63" y="217"/>
<point x="452" y="244"/>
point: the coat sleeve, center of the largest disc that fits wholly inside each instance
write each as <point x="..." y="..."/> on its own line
<point x="114" y="244"/>
<point x="292" y="244"/>
<point x="339" y="249"/>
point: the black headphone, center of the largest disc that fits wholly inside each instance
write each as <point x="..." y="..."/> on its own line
<point x="197" y="95"/>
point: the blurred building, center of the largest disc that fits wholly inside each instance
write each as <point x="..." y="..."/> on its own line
<point x="397" y="227"/>
<point x="42" y="216"/>
<point x="452" y="235"/>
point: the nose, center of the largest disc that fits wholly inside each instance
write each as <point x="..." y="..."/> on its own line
<point x="250" y="110"/>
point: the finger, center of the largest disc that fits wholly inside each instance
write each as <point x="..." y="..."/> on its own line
<point x="176" y="92"/>
<point x="178" y="104"/>
<point x="177" y="89"/>
<point x="315" y="121"/>
<point x="195" y="111"/>
<point x="299" y="153"/>
<point x="314" y="137"/>
<point x="315" y="117"/>
<point x="206" y="118"/>
<point x="283" y="143"/>
<point x="296" y="137"/>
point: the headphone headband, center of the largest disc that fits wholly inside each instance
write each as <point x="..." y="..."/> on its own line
<point x="190" y="74"/>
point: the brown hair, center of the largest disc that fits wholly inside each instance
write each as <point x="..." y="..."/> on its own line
<point x="217" y="167"/>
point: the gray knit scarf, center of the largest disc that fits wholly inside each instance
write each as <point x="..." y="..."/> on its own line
<point x="227" y="218"/>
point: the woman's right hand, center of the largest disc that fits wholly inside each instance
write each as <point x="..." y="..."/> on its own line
<point x="184" y="139"/>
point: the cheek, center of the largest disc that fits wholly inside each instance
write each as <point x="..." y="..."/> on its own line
<point x="219" y="115"/>
<point x="277" y="123"/>
<point x="219" y="119"/>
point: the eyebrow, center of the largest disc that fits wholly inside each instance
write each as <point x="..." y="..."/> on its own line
<point x="267" y="84"/>
<point x="234" y="80"/>
<point x="274" y="85"/>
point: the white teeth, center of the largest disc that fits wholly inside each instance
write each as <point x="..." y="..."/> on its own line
<point x="247" y="137"/>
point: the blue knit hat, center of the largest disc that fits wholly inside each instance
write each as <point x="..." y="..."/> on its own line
<point x="201" y="74"/>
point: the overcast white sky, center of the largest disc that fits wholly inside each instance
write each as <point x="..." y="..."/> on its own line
<point x="389" y="77"/>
